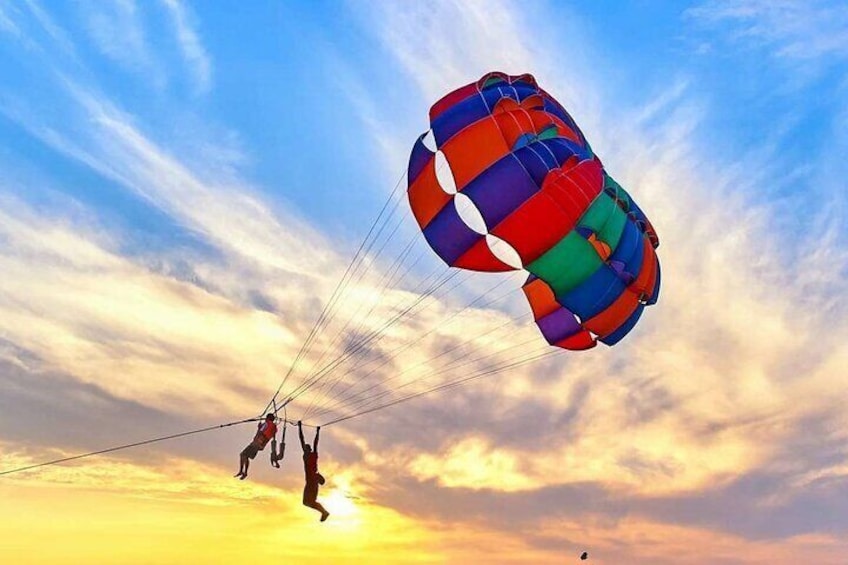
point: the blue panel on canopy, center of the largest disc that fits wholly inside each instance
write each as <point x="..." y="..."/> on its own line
<point x="656" y="294"/>
<point x="524" y="90"/>
<point x="624" y="328"/>
<point x="629" y="252"/>
<point x="593" y="295"/>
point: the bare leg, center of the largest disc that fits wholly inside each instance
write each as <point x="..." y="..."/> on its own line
<point x="319" y="507"/>
<point x="310" y="499"/>
<point x="242" y="468"/>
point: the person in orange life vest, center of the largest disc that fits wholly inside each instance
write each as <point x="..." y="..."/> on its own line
<point x="310" y="468"/>
<point x="265" y="431"/>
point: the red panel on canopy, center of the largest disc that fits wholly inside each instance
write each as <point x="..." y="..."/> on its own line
<point x="534" y="227"/>
<point x="481" y="258"/>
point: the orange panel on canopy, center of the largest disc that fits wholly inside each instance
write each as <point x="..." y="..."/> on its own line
<point x="647" y="278"/>
<point x="474" y="149"/>
<point x="514" y="124"/>
<point x="426" y="197"/>
<point x="541" y="298"/>
<point x="615" y="314"/>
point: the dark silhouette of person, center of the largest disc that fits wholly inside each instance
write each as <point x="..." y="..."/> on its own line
<point x="310" y="468"/>
<point x="264" y="432"/>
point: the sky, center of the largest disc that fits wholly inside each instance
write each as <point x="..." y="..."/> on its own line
<point x="184" y="184"/>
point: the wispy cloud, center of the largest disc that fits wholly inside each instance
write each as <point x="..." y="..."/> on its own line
<point x="106" y="139"/>
<point x="55" y="31"/>
<point x="803" y="31"/>
<point x="117" y="29"/>
<point x="191" y="46"/>
<point x="7" y="24"/>
<point x="114" y="317"/>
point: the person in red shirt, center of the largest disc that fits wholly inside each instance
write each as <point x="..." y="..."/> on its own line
<point x="265" y="431"/>
<point x="310" y="468"/>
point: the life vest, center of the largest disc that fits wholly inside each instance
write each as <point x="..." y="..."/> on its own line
<point x="265" y="434"/>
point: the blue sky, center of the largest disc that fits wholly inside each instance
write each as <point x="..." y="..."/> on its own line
<point x="183" y="183"/>
<point x="289" y="106"/>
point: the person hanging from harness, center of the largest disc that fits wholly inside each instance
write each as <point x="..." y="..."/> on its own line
<point x="310" y="468"/>
<point x="265" y="431"/>
<point x="277" y="456"/>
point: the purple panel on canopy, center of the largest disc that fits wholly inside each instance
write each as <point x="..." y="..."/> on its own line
<point x="418" y="160"/>
<point x="449" y="236"/>
<point x="558" y="325"/>
<point x="500" y="189"/>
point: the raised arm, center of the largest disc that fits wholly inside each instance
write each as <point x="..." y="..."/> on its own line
<point x="300" y="433"/>
<point x="315" y="443"/>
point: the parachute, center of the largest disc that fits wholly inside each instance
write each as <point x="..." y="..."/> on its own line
<point x="505" y="180"/>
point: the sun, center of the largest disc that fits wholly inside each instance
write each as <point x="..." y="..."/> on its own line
<point x="343" y="509"/>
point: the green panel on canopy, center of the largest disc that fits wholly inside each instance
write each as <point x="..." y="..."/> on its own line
<point x="549" y="132"/>
<point x="568" y="263"/>
<point x="606" y="219"/>
<point x="618" y="190"/>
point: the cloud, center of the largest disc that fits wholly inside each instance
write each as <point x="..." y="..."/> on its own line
<point x="7" y="24"/>
<point x="803" y="31"/>
<point x="54" y="30"/>
<point x="169" y="479"/>
<point x="214" y="203"/>
<point x="190" y="45"/>
<point x="82" y="308"/>
<point x="117" y="29"/>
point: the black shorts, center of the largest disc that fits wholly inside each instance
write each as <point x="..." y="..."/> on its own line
<point x="310" y="492"/>
<point x="250" y="451"/>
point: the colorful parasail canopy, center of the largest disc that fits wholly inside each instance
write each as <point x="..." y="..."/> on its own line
<point x="505" y="180"/>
